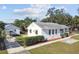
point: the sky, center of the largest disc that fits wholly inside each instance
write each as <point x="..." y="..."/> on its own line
<point x="10" y="12"/>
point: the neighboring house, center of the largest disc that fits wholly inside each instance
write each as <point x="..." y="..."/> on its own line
<point x="47" y="29"/>
<point x="11" y="29"/>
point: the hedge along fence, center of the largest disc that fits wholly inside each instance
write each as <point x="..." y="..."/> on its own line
<point x="34" y="40"/>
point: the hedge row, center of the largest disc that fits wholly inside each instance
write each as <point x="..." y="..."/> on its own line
<point x="34" y="40"/>
<point x="27" y="41"/>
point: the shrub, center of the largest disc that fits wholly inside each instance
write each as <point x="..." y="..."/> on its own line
<point x="27" y="41"/>
<point x="2" y="38"/>
<point x="34" y="40"/>
<point x="20" y="40"/>
<point x="62" y="35"/>
<point x="66" y="34"/>
<point x="2" y="46"/>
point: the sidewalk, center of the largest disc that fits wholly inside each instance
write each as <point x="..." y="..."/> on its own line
<point x="14" y="47"/>
<point x="46" y="43"/>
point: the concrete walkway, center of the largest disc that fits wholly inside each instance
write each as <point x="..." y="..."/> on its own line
<point x="14" y="47"/>
<point x="49" y="42"/>
<point x="70" y="41"/>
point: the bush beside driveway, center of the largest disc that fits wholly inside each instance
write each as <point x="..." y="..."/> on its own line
<point x="2" y="47"/>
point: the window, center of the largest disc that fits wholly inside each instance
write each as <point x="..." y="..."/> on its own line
<point x="65" y="29"/>
<point x="61" y="31"/>
<point x="49" y="32"/>
<point x="14" y="30"/>
<point x="36" y="32"/>
<point x="55" y="31"/>
<point x="52" y="31"/>
<point x="30" y="31"/>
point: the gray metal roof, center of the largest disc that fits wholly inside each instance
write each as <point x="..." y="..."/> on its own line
<point x="11" y="26"/>
<point x="48" y="25"/>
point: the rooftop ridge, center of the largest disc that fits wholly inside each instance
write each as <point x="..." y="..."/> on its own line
<point x="49" y="25"/>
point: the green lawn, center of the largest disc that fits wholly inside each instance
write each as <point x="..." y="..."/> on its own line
<point x="3" y="52"/>
<point x="76" y="37"/>
<point x="57" y="48"/>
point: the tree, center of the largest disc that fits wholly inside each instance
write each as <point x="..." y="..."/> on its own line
<point x="2" y="35"/>
<point x="1" y="29"/>
<point x="23" y="23"/>
<point x="58" y="16"/>
<point x="76" y="22"/>
<point x="2" y="25"/>
<point x="50" y="13"/>
<point x="17" y="22"/>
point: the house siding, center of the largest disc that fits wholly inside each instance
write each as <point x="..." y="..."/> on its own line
<point x="34" y="27"/>
<point x="45" y="32"/>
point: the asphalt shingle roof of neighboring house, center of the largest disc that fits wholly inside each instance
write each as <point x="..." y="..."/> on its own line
<point x="48" y="25"/>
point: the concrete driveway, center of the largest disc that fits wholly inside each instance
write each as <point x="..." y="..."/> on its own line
<point x="14" y="47"/>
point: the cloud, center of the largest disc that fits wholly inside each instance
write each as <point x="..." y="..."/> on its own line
<point x="4" y="7"/>
<point x="62" y="7"/>
<point x="34" y="11"/>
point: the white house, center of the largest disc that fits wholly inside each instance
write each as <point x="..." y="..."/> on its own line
<point x="47" y="29"/>
<point x="11" y="29"/>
